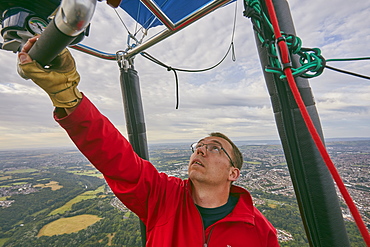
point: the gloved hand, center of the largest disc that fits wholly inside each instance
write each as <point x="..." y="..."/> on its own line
<point x="60" y="80"/>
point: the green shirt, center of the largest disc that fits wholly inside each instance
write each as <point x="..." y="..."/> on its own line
<point x="212" y="215"/>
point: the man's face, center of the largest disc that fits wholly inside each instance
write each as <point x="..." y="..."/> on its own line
<point x="212" y="167"/>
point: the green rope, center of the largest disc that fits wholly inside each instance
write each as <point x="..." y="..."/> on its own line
<point x="311" y="61"/>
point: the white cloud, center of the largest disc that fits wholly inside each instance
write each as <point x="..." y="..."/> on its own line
<point x="232" y="98"/>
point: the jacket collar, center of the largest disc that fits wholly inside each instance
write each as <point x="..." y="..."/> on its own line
<point x="244" y="209"/>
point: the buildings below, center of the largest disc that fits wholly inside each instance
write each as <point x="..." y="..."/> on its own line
<point x="264" y="169"/>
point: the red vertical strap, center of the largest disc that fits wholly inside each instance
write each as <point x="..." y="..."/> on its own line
<point x="285" y="59"/>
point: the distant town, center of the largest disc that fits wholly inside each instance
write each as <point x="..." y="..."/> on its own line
<point x="27" y="172"/>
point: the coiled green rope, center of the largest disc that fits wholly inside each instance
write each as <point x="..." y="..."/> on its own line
<point x="311" y="61"/>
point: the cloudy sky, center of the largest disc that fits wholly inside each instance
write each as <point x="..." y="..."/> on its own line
<point x="232" y="98"/>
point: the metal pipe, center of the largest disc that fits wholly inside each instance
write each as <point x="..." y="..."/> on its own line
<point x="154" y="40"/>
<point x="73" y="16"/>
<point x="152" y="6"/>
<point x="91" y="51"/>
<point x="180" y="25"/>
<point x="202" y="12"/>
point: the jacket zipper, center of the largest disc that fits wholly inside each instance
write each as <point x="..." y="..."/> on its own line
<point x="204" y="234"/>
<point x="209" y="237"/>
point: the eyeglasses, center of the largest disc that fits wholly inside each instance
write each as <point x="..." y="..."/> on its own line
<point x="211" y="147"/>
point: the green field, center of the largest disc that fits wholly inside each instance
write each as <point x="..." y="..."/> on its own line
<point x="253" y="162"/>
<point x="5" y="177"/>
<point x="2" y="241"/>
<point x="19" y="183"/>
<point x="68" y="225"/>
<point x="84" y="196"/>
<point x="28" y="170"/>
<point x="93" y="173"/>
<point x="54" y="185"/>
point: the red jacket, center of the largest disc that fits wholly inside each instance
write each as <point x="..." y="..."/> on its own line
<point x="163" y="203"/>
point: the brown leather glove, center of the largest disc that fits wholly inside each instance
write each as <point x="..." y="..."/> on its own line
<point x="59" y="81"/>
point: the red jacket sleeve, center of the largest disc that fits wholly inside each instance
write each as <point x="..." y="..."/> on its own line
<point x="131" y="178"/>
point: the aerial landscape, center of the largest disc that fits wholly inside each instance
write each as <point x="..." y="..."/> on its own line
<point x="55" y="197"/>
<point x="255" y="70"/>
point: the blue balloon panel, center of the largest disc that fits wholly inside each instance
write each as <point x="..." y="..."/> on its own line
<point x="175" y="10"/>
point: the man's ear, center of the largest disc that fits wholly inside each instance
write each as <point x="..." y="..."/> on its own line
<point x="234" y="174"/>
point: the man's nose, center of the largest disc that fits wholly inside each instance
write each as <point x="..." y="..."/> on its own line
<point x="201" y="150"/>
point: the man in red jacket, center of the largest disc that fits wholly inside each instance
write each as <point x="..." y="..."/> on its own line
<point x="204" y="210"/>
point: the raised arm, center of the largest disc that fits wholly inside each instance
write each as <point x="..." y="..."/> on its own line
<point x="135" y="181"/>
